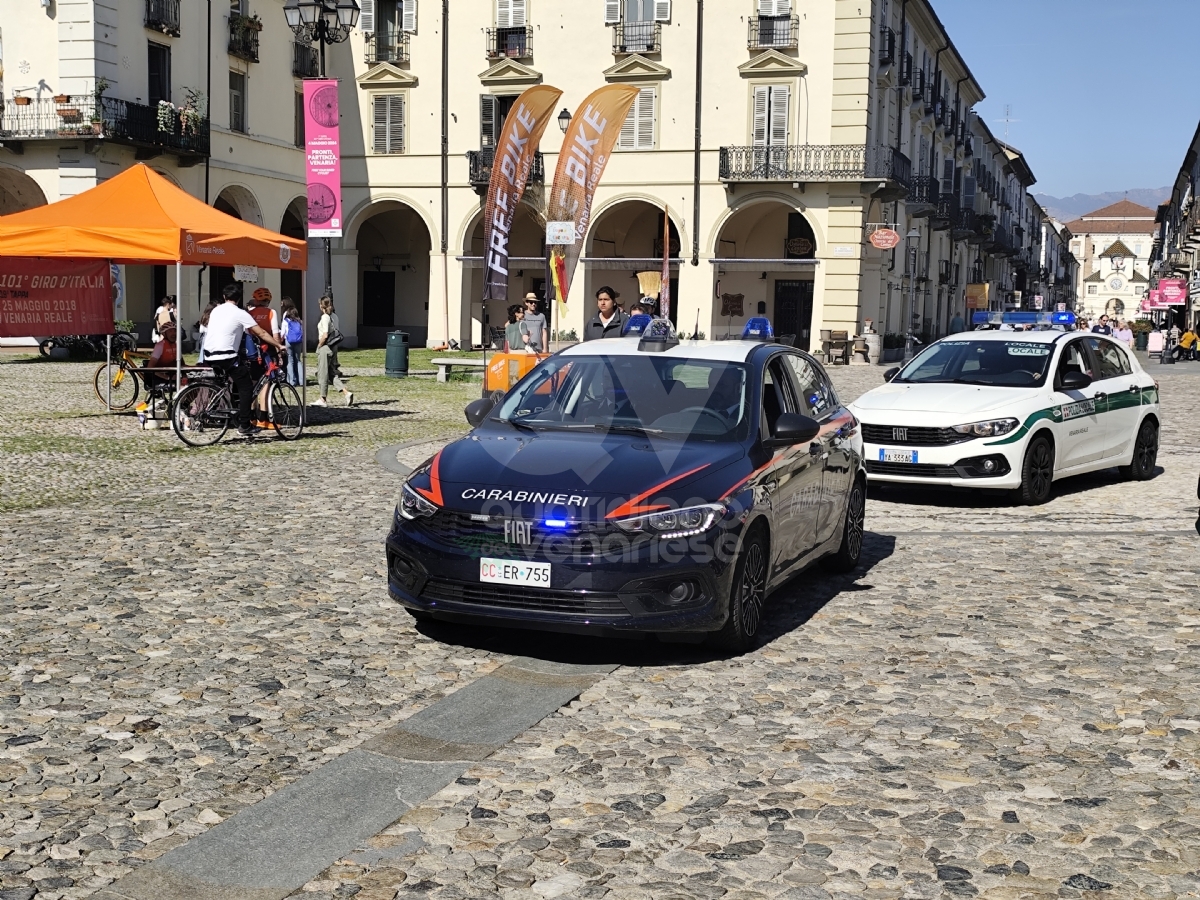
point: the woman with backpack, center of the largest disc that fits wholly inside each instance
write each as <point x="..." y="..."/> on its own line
<point x="293" y="335"/>
<point x="329" y="337"/>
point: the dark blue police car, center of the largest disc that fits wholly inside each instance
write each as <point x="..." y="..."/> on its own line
<point x="640" y="484"/>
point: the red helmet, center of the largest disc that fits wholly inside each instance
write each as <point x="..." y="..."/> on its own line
<point x="262" y="294"/>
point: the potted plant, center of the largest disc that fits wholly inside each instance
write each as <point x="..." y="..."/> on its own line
<point x="166" y="116"/>
<point x="21" y="100"/>
<point x="62" y="99"/>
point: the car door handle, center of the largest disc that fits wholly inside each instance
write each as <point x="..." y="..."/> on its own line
<point x="1100" y="395"/>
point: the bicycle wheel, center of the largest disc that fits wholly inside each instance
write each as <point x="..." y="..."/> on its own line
<point x="200" y="414"/>
<point x="124" y="384"/>
<point x="46" y="346"/>
<point x="285" y="410"/>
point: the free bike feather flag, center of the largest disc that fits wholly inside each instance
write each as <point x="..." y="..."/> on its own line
<point x="513" y="160"/>
<point x="586" y="149"/>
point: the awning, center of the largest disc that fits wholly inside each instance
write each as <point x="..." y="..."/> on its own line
<point x="763" y="265"/>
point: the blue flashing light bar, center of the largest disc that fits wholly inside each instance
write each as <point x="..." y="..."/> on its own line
<point x="636" y="325"/>
<point x="555" y="523"/>
<point x="1045" y="319"/>
<point x="758" y="329"/>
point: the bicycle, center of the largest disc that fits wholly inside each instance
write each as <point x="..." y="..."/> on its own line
<point x="120" y="377"/>
<point x="204" y="410"/>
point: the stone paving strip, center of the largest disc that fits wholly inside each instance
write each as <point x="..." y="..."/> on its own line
<point x="275" y="846"/>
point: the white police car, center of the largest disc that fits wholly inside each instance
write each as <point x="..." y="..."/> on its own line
<point x="1012" y="409"/>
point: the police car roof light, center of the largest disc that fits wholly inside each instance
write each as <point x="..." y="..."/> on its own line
<point x="1054" y="319"/>
<point x="758" y="329"/>
<point x="636" y="325"/>
<point x="659" y="335"/>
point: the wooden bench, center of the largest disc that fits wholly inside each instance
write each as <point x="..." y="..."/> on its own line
<point x="447" y="363"/>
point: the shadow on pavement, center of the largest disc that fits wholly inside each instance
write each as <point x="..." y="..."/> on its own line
<point x="982" y="498"/>
<point x="788" y="608"/>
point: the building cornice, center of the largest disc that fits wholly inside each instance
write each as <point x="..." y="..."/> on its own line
<point x="772" y="62"/>
<point x="637" y="68"/>
<point x="509" y="71"/>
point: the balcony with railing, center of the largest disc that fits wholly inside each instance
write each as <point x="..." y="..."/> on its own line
<point x="774" y="33"/>
<point x="163" y="15"/>
<point x="153" y="130"/>
<point x="387" y="48"/>
<point x="509" y="43"/>
<point x="906" y="69"/>
<point x="887" y="46"/>
<point x="637" y="37"/>
<point x="304" y="60"/>
<point x="923" y="194"/>
<point x="999" y="242"/>
<point x="966" y="227"/>
<point x="243" y="36"/>
<point x="479" y="166"/>
<point x="919" y="88"/>
<point x="945" y="212"/>
<point x="816" y="162"/>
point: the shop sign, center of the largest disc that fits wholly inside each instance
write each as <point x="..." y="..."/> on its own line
<point x="885" y="238"/>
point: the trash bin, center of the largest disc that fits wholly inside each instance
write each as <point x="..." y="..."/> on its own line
<point x="395" y="360"/>
<point x="1141" y="340"/>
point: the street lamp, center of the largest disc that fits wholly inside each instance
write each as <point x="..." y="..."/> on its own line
<point x="914" y="235"/>
<point x="564" y="120"/>
<point x="325" y="22"/>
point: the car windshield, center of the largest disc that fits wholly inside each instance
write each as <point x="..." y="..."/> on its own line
<point x="693" y="399"/>
<point x="1009" y="363"/>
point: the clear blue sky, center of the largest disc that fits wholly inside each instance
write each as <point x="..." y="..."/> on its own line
<point x="1105" y="90"/>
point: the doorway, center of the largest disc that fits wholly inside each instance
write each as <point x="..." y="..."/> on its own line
<point x="793" y="310"/>
<point x="379" y="299"/>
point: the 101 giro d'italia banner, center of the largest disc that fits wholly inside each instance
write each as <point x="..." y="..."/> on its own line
<point x="586" y="148"/>
<point x="511" y="165"/>
<point x="47" y="298"/>
<point x="323" y="157"/>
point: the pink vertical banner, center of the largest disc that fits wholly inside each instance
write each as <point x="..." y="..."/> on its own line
<point x="323" y="157"/>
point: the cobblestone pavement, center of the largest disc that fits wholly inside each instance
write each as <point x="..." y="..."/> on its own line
<point x="1003" y="702"/>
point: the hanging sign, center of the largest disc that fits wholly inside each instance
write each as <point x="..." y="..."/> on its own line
<point x="586" y="149"/>
<point x="245" y="273"/>
<point x="511" y="166"/>
<point x="977" y="295"/>
<point x="1173" y="291"/>
<point x="51" y="297"/>
<point x="561" y="234"/>
<point x="323" y="157"/>
<point x="885" y="239"/>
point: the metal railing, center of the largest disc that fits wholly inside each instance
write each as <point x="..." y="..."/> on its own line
<point x="814" y="162"/>
<point x="47" y="119"/>
<point x="479" y="165"/>
<point x="965" y="225"/>
<point x="924" y="190"/>
<point x="774" y="33"/>
<point x="1000" y="242"/>
<point x="163" y="15"/>
<point x="637" y="37"/>
<point x="387" y="48"/>
<point x="887" y="46"/>
<point x="906" y="69"/>
<point x="304" y="60"/>
<point x="138" y="124"/>
<point x="243" y="37"/>
<point x="919" y="85"/>
<point x="509" y="43"/>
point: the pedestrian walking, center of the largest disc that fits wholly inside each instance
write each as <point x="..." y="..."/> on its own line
<point x="1102" y="327"/>
<point x="329" y="338"/>
<point x="608" y="321"/>
<point x="957" y="325"/>
<point x="514" y="339"/>
<point x="1124" y="333"/>
<point x="292" y="329"/>
<point x="533" y="326"/>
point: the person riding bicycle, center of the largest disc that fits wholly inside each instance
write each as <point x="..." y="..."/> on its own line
<point x="224" y="349"/>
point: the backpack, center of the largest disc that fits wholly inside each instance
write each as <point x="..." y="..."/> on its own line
<point x="295" y="331"/>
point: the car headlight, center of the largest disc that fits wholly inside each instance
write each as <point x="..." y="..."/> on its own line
<point x="675" y="523"/>
<point x="990" y="428"/>
<point x="412" y="505"/>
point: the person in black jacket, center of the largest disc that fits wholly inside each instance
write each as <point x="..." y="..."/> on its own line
<point x="609" y="320"/>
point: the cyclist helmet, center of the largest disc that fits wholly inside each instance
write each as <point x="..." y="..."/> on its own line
<point x="262" y="294"/>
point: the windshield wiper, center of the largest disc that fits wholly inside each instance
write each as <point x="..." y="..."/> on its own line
<point x="515" y="423"/>
<point x="628" y="429"/>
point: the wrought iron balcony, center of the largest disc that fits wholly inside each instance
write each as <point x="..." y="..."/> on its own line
<point x="637" y="37"/>
<point x="969" y="144"/>
<point x="815" y="162"/>
<point x="923" y="194"/>
<point x="966" y="227"/>
<point x="944" y="271"/>
<point x="243" y="36"/>
<point x="938" y="105"/>
<point x="509" y="43"/>
<point x="153" y="130"/>
<point x="479" y="165"/>
<point x="304" y="60"/>
<point x="774" y="33"/>
<point x="919" y="87"/>
<point x="887" y="47"/>
<point x="945" y="212"/>
<point x="387" y="48"/>
<point x="906" y="69"/>
<point x="163" y="15"/>
<point x="999" y="243"/>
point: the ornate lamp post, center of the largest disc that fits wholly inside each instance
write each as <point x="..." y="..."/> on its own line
<point x="323" y="22"/>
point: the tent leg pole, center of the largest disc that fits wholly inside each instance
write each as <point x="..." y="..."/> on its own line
<point x="108" y="372"/>
<point x="178" y="337"/>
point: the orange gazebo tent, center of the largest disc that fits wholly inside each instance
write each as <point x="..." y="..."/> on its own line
<point x="139" y="217"/>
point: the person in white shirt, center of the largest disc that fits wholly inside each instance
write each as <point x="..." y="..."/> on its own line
<point x="223" y="349"/>
<point x="329" y="336"/>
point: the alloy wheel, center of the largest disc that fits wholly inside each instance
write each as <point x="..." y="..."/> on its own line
<point x="1147" y="449"/>
<point x="1041" y="469"/>
<point x="855" y="520"/>
<point x="754" y="578"/>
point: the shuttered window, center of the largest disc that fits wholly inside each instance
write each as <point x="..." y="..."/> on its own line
<point x="388" y="123"/>
<point x="637" y="133"/>
<point x="612" y="12"/>
<point x="662" y="10"/>
<point x="366" y="16"/>
<point x="770" y="8"/>
<point x="510" y="14"/>
<point x="408" y="16"/>
<point x="772" y="105"/>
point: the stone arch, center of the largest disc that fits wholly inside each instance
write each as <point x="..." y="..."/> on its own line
<point x="18" y="191"/>
<point x="390" y="242"/>
<point x="381" y="202"/>
<point x="238" y="200"/>
<point x="758" y="199"/>
<point x="612" y="204"/>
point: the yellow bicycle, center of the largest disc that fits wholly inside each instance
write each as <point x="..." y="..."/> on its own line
<point x="120" y="376"/>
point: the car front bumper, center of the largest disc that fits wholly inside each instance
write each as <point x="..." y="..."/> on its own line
<point x="970" y="464"/>
<point x="599" y="594"/>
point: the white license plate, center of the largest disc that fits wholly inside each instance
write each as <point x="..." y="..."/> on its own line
<point x="900" y="456"/>
<point x="507" y="571"/>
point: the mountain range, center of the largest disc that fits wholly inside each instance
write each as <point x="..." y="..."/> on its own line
<point x="1066" y="209"/>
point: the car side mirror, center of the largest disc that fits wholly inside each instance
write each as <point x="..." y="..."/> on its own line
<point x="891" y="373"/>
<point x="792" y="429"/>
<point x="477" y="411"/>
<point x="1075" y="381"/>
